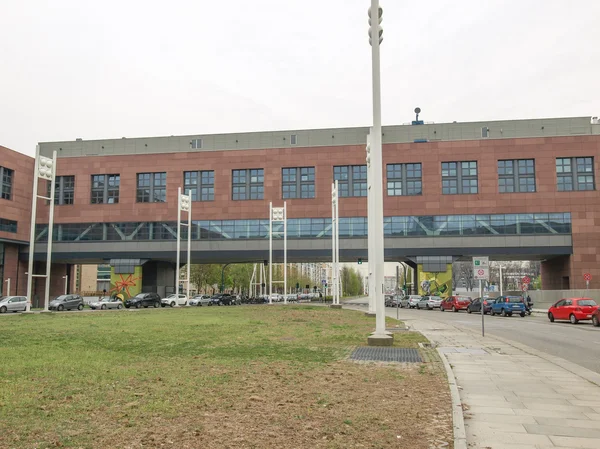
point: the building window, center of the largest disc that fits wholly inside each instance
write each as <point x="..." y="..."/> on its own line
<point x="151" y="187"/>
<point x="64" y="190"/>
<point x="6" y="179"/>
<point x="105" y="189"/>
<point x="248" y="184"/>
<point x="485" y="132"/>
<point x="298" y="182"/>
<point x="516" y="175"/>
<point x="404" y="179"/>
<point x="201" y="184"/>
<point x="8" y="226"/>
<point x="293" y="139"/>
<point x="352" y="180"/>
<point x="575" y="173"/>
<point x="196" y="144"/>
<point x="459" y="177"/>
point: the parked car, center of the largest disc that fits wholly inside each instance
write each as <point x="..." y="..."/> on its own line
<point x="107" y="303"/>
<point x="292" y="297"/>
<point x="431" y="302"/>
<point x="276" y="297"/>
<point x="423" y="302"/>
<point x="13" y="304"/>
<point x="412" y="301"/>
<point x="221" y="299"/>
<point x="596" y="317"/>
<point x="475" y="305"/>
<point x="174" y="300"/>
<point x="507" y="305"/>
<point x="573" y="309"/>
<point x="144" y="300"/>
<point x="200" y="300"/>
<point x="66" y="302"/>
<point x="455" y="303"/>
<point x="389" y="300"/>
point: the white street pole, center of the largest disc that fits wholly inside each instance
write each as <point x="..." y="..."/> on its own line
<point x="337" y="243"/>
<point x="178" y="257"/>
<point x="376" y="223"/>
<point x="66" y="278"/>
<point x="270" y="253"/>
<point x="500" y="280"/>
<point x="7" y="287"/>
<point x="189" y="243"/>
<point x="285" y="252"/>
<point x="370" y="246"/>
<point x="50" y="232"/>
<point x="482" y="308"/>
<point x="333" y="240"/>
<point x="34" y="199"/>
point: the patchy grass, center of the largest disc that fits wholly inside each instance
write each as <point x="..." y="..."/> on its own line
<point x="211" y="377"/>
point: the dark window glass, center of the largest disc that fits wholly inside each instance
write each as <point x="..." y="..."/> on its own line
<point x="404" y="179"/>
<point x="6" y="181"/>
<point x="248" y="184"/>
<point x="151" y="187"/>
<point x="516" y="175"/>
<point x="352" y="180"/>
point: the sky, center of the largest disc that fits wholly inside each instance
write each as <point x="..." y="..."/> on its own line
<point x="128" y="68"/>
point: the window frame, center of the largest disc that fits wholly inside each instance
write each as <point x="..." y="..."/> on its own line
<point x="196" y="144"/>
<point x="574" y="174"/>
<point x="401" y="177"/>
<point x="201" y="190"/>
<point x="6" y="186"/>
<point x="60" y="189"/>
<point x="247" y="190"/>
<point x="298" y="188"/>
<point x="459" y="177"/>
<point x="352" y="184"/>
<point x="152" y="188"/>
<point x="103" y="194"/>
<point x="514" y="174"/>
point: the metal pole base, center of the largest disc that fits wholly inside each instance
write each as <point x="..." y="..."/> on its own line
<point x="27" y="313"/>
<point x="372" y="314"/>
<point x="47" y="311"/>
<point x="380" y="340"/>
<point x="335" y="306"/>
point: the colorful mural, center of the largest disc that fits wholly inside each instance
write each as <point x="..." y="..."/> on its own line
<point x="435" y="284"/>
<point x="126" y="285"/>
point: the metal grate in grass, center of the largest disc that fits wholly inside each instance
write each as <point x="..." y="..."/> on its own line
<point x="377" y="354"/>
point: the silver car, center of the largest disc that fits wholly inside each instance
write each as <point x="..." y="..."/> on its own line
<point x="201" y="300"/>
<point x="412" y="301"/>
<point x="107" y="303"/>
<point x="13" y="304"/>
<point x="66" y="302"/>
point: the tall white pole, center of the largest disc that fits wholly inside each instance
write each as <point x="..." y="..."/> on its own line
<point x="66" y="278"/>
<point x="337" y="243"/>
<point x="376" y="225"/>
<point x="50" y="232"/>
<point x="189" y="243"/>
<point x="370" y="246"/>
<point x="34" y="198"/>
<point x="500" y="280"/>
<point x="7" y="286"/>
<point x="270" y="253"/>
<point x="260" y="273"/>
<point x="333" y="241"/>
<point x="285" y="252"/>
<point x="178" y="257"/>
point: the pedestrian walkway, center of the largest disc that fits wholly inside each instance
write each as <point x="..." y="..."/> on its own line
<point x="515" y="397"/>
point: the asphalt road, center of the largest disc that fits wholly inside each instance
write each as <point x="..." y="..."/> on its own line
<point x="579" y="343"/>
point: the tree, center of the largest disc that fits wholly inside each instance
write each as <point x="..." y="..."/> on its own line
<point x="239" y="276"/>
<point x="204" y="275"/>
<point x="352" y="283"/>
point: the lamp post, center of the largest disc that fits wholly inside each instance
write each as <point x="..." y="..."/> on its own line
<point x="500" y="280"/>
<point x="335" y="244"/>
<point x="278" y="214"/>
<point x="45" y="168"/>
<point x="7" y="286"/>
<point x="184" y="204"/>
<point x="66" y="278"/>
<point x="375" y="213"/>
<point x="370" y="245"/>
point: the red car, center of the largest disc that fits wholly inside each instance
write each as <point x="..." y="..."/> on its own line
<point x="455" y="303"/>
<point x="573" y="309"/>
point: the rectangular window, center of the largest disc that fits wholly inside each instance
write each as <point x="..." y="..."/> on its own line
<point x="201" y="184"/>
<point x="459" y="177"/>
<point x="517" y="175"/>
<point x="404" y="179"/>
<point x="105" y="189"/>
<point x="298" y="182"/>
<point x="575" y="173"/>
<point x="196" y="144"/>
<point x="293" y="139"/>
<point x="8" y="226"/>
<point x="248" y="184"/>
<point x="151" y="187"/>
<point x="352" y="180"/>
<point x="6" y="180"/>
<point x="64" y="190"/>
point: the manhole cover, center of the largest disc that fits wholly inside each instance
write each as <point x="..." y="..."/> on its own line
<point x="375" y="354"/>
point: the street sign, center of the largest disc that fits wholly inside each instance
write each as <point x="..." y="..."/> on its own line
<point x="526" y="280"/>
<point x="525" y="287"/>
<point x="587" y="277"/>
<point x="481" y="268"/>
<point x="324" y="281"/>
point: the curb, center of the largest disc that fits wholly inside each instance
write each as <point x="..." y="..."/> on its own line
<point x="458" y="421"/>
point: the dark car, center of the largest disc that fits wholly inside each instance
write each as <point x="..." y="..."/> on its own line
<point x="66" y="302"/>
<point x="143" y="300"/>
<point x="475" y="305"/>
<point x="223" y="299"/>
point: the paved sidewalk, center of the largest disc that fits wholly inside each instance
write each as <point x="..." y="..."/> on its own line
<point x="515" y="397"/>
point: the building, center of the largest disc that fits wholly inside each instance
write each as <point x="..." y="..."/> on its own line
<point x="517" y="189"/>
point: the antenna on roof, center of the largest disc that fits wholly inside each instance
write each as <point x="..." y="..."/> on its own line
<point x="417" y="121"/>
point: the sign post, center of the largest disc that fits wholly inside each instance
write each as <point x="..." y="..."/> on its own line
<point x="481" y="270"/>
<point x="587" y="277"/>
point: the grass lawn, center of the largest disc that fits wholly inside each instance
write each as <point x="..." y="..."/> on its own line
<point x="212" y="377"/>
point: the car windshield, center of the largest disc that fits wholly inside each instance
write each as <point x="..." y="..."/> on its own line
<point x="514" y="299"/>
<point x="140" y="295"/>
<point x="587" y="302"/>
<point x="61" y="297"/>
<point x="436" y="298"/>
<point x="106" y="300"/>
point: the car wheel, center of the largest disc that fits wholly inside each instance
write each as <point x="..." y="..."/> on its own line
<point x="595" y="321"/>
<point x="509" y="313"/>
<point x="172" y="304"/>
<point x="441" y="309"/>
<point x="3" y="309"/>
<point x="127" y="307"/>
<point x="522" y="314"/>
<point x="492" y="313"/>
<point x="185" y="303"/>
<point x="120" y="306"/>
<point x="573" y="319"/>
<point x="454" y="309"/>
<point x="156" y="305"/>
<point x="551" y="317"/>
<point x="503" y="312"/>
<point x="468" y="310"/>
<point x="138" y="305"/>
<point x="103" y="307"/>
<point x="60" y="308"/>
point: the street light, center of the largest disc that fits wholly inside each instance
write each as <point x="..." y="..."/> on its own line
<point x="278" y="214"/>
<point x="45" y="168"/>
<point x="184" y="204"/>
<point x="335" y="244"/>
<point x="375" y="213"/>
<point x="66" y="278"/>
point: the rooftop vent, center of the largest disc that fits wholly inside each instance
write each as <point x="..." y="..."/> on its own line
<point x="78" y="139"/>
<point x="595" y="121"/>
<point x="417" y="121"/>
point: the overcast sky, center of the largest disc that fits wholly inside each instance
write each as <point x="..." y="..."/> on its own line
<point x="108" y="69"/>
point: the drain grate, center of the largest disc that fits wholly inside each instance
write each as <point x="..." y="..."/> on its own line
<point x="375" y="354"/>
